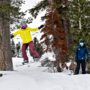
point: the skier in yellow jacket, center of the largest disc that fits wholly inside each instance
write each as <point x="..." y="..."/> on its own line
<point x="26" y="37"/>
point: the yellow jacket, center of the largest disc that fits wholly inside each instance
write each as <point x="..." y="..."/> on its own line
<point x="25" y="34"/>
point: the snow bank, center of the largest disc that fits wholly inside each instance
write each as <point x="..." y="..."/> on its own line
<point x="34" y="77"/>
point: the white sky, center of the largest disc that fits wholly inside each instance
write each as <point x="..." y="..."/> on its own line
<point x="29" y="4"/>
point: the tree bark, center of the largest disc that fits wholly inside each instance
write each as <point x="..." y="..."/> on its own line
<point x="5" y="49"/>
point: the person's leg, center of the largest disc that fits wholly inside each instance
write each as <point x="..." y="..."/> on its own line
<point x="34" y="53"/>
<point x="17" y="53"/>
<point x="24" y="54"/>
<point x="77" y="67"/>
<point x="83" y="65"/>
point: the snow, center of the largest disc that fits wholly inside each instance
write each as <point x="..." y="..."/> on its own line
<point x="49" y="55"/>
<point x="34" y="77"/>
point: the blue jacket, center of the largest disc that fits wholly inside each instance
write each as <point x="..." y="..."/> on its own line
<point x="81" y="53"/>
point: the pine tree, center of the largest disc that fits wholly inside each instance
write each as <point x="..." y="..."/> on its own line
<point x="39" y="7"/>
<point x="38" y="46"/>
<point x="5" y="51"/>
<point x="7" y="11"/>
<point x="55" y="35"/>
<point x="79" y="17"/>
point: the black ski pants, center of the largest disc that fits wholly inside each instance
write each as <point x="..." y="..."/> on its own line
<point x="81" y="63"/>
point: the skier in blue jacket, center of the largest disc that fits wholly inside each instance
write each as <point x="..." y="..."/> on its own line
<point x="81" y="57"/>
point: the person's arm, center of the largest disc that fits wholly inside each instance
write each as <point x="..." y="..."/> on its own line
<point x="36" y="29"/>
<point x="33" y="29"/>
<point x="15" y="34"/>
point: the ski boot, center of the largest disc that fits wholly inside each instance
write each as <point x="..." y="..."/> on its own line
<point x="25" y="62"/>
<point x="36" y="59"/>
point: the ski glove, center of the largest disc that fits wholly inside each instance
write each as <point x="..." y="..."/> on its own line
<point x="40" y="26"/>
<point x="12" y="36"/>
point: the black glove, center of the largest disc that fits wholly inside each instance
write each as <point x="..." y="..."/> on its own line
<point x="40" y="26"/>
<point x="11" y="36"/>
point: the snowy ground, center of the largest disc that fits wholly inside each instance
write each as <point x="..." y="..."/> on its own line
<point x="34" y="77"/>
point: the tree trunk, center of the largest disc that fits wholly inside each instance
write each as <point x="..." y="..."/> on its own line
<point x="5" y="50"/>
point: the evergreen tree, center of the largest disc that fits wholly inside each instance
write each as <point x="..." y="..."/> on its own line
<point x="8" y="11"/>
<point x="79" y="17"/>
<point x="42" y="5"/>
<point x="38" y="46"/>
<point x="55" y="35"/>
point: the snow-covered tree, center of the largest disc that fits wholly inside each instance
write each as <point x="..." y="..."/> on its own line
<point x="55" y="29"/>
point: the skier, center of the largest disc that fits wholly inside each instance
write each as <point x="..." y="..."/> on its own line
<point x="25" y="35"/>
<point x="13" y="48"/>
<point x="18" y="48"/>
<point x="81" y="57"/>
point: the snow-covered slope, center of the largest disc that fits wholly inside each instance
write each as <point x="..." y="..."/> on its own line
<point x="34" y="77"/>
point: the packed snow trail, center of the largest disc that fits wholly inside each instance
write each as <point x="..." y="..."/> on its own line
<point x="35" y="77"/>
